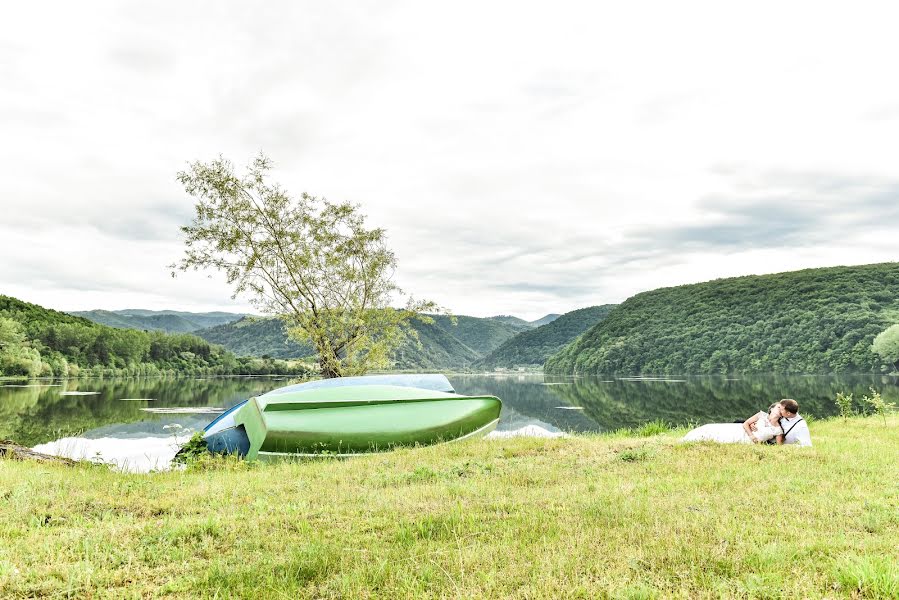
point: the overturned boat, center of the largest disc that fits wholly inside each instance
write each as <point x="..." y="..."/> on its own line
<point x="351" y="415"/>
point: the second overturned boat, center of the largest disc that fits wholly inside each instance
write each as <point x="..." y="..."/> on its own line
<point x="351" y="416"/>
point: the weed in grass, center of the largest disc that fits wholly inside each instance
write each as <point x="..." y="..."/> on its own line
<point x="652" y="428"/>
<point x="868" y="576"/>
<point x="638" y="454"/>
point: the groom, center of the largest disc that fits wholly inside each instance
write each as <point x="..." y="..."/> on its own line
<point x="795" y="429"/>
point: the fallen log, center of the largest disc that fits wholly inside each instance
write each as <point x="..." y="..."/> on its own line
<point x="14" y="451"/>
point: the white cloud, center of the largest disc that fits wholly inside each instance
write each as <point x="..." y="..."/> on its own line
<point x="524" y="157"/>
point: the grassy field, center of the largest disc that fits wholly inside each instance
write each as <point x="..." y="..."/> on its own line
<point x="590" y="517"/>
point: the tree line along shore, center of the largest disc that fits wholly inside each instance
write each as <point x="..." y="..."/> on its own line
<point x="40" y="342"/>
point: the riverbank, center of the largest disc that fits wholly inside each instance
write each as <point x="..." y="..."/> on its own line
<point x="584" y="516"/>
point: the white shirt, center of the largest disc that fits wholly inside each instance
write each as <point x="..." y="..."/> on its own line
<point x="798" y="434"/>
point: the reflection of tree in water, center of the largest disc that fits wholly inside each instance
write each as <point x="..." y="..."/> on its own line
<point x="618" y="403"/>
<point x="35" y="415"/>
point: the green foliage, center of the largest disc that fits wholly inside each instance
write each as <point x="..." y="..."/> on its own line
<point x="308" y="261"/>
<point x="192" y="450"/>
<point x="880" y="406"/>
<point x="886" y="345"/>
<point x="534" y="346"/>
<point x="11" y="335"/>
<point x="50" y="343"/>
<point x="844" y="403"/>
<point x="811" y="321"/>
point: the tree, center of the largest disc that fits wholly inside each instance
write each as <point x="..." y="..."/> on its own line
<point x="311" y="262"/>
<point x="886" y="345"/>
<point x="11" y="335"/>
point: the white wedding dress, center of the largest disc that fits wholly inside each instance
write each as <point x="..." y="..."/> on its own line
<point x="733" y="433"/>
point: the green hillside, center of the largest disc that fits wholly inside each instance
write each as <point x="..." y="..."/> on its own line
<point x="256" y="336"/>
<point x="163" y="320"/>
<point x="36" y="341"/>
<point x="811" y="321"/>
<point x="481" y="335"/>
<point x="518" y="324"/>
<point x="545" y="319"/>
<point x="439" y="350"/>
<point x="532" y="348"/>
<point x="443" y="344"/>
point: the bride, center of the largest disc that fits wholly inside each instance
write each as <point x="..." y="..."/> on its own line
<point x="762" y="427"/>
<point x="758" y="428"/>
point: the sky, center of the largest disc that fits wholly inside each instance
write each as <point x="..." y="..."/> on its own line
<point x="524" y="158"/>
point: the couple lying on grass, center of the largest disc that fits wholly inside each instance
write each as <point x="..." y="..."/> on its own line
<point x="780" y="425"/>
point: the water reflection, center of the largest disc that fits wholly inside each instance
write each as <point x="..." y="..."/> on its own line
<point x="141" y="421"/>
<point x="36" y="415"/>
<point x="607" y="404"/>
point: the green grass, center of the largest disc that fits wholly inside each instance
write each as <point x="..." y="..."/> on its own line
<point x="582" y="517"/>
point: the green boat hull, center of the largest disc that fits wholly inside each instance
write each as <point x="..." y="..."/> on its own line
<point x="354" y="420"/>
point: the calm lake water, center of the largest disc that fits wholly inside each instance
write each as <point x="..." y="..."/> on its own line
<point x="139" y="422"/>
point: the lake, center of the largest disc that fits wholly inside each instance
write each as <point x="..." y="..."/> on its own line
<point x="137" y="423"/>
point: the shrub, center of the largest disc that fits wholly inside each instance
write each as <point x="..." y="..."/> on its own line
<point x="844" y="403"/>
<point x="880" y="406"/>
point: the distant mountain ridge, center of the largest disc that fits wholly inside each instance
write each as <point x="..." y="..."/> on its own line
<point x="170" y="321"/>
<point x="523" y="325"/>
<point x="517" y="323"/>
<point x="545" y="320"/>
<point x="448" y="343"/>
<point x="532" y="348"/>
<point x="456" y="342"/>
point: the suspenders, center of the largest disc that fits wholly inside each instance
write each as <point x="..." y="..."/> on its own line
<point x="771" y="441"/>
<point x="791" y="427"/>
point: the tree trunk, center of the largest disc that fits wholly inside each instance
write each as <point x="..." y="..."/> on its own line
<point x="326" y="369"/>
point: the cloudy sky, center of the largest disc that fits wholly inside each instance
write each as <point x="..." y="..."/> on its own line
<point x="524" y="158"/>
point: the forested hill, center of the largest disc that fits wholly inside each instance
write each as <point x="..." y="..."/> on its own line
<point x="545" y="319"/>
<point x="158" y="320"/>
<point x="444" y="345"/>
<point x="256" y="336"/>
<point x="532" y="348"/>
<point x="481" y="335"/>
<point x="517" y="323"/>
<point x="811" y="321"/>
<point x="36" y="341"/>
